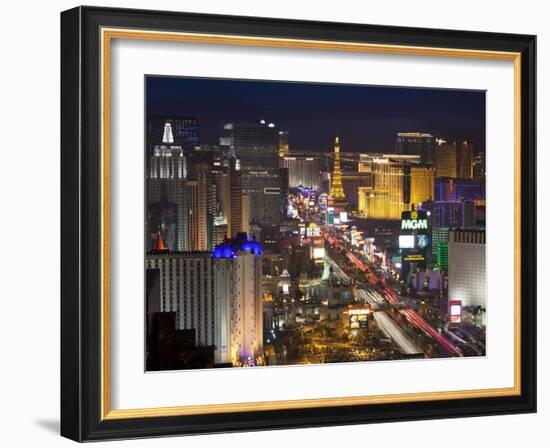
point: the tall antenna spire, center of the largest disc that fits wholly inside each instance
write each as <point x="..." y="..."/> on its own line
<point x="168" y="137"/>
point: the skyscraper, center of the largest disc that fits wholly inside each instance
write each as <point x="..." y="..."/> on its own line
<point x="185" y="131"/>
<point x="256" y="146"/>
<point x="284" y="147"/>
<point x="467" y="280"/>
<point x="227" y="180"/>
<point x="246" y="213"/>
<point x="222" y="184"/>
<point x="238" y="292"/>
<point x="459" y="189"/>
<point x="202" y="206"/>
<point x="166" y="206"/>
<point x="194" y="212"/>
<point x="440" y="248"/>
<point x="283" y="178"/>
<point x="416" y="143"/>
<point x="236" y="209"/>
<point x="422" y="184"/>
<point x="479" y="166"/>
<point x="465" y="160"/>
<point x="446" y="159"/>
<point x="451" y="213"/>
<point x="187" y="288"/>
<point x="337" y="197"/>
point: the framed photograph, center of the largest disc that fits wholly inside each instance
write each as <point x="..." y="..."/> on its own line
<point x="276" y="224"/>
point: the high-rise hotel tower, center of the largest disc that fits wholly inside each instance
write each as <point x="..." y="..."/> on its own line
<point x="165" y="194"/>
<point x="256" y="147"/>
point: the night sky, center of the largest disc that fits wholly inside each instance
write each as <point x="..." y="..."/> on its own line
<point x="366" y="118"/>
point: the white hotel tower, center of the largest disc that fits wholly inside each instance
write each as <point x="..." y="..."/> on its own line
<point x="238" y="298"/>
<point x="218" y="294"/>
<point x="467" y="281"/>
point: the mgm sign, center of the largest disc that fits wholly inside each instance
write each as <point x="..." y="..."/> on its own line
<point x="415" y="238"/>
<point x="415" y="221"/>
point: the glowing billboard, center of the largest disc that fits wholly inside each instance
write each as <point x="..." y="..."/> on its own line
<point x="318" y="253"/>
<point x="406" y="241"/>
<point x="313" y="230"/>
<point x="455" y="311"/>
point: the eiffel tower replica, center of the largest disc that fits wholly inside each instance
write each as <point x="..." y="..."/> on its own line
<point x="336" y="197"/>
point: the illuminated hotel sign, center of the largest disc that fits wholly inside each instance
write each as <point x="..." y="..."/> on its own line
<point x="358" y="319"/>
<point x="414" y="220"/>
<point x="414" y="241"/>
<point x="313" y="230"/>
<point x="414" y="224"/>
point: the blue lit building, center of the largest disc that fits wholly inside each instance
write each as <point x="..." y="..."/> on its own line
<point x="238" y="301"/>
<point x="217" y="294"/>
<point x="231" y="248"/>
<point x="447" y="189"/>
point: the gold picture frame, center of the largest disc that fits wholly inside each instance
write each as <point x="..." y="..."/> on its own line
<point x="110" y="25"/>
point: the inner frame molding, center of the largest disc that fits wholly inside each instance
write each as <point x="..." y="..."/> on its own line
<point x="106" y="37"/>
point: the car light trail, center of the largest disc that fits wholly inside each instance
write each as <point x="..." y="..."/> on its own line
<point x="422" y="325"/>
<point x="398" y="336"/>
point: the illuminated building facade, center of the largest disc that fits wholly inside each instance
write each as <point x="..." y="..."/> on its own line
<point x="238" y="298"/>
<point x="283" y="177"/>
<point x="439" y="235"/>
<point x="337" y="197"/>
<point x="470" y="190"/>
<point x="440" y="248"/>
<point x="479" y="166"/>
<point x="456" y="160"/>
<point x="303" y="171"/>
<point x="166" y="202"/>
<point x="351" y="182"/>
<point x="222" y="184"/>
<point x="446" y="189"/>
<point x="185" y="131"/>
<point x="416" y="143"/>
<point x="218" y="295"/>
<point x="246" y="213"/>
<point x="446" y="159"/>
<point x="451" y="213"/>
<point x="256" y="146"/>
<point x="466" y="252"/>
<point x="364" y="165"/>
<point x="396" y="185"/>
<point x="284" y="147"/>
<point x="465" y="160"/>
<point x="235" y="220"/>
<point x="228" y="209"/>
<point x="197" y="214"/>
<point x="441" y="256"/>
<point x="187" y="288"/>
<point x="422" y="184"/>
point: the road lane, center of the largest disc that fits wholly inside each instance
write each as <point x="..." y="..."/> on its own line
<point x="397" y="335"/>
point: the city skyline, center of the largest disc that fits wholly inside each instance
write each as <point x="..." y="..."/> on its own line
<point x="366" y="118"/>
<point x="259" y="254"/>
